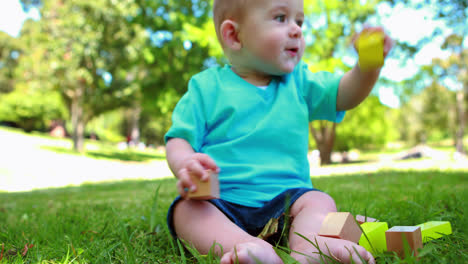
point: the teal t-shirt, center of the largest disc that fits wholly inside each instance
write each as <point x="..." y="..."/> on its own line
<point x="258" y="138"/>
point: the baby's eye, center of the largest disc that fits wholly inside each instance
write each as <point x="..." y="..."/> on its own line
<point x="280" y="18"/>
<point x="299" y="22"/>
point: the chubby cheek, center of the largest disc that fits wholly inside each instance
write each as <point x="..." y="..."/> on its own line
<point x="271" y="46"/>
<point x="272" y="41"/>
<point x="302" y="48"/>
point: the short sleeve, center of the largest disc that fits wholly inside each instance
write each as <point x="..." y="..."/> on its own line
<point x="320" y="91"/>
<point x="188" y="120"/>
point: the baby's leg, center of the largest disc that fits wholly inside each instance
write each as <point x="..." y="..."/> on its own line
<point x="201" y="224"/>
<point x="309" y="211"/>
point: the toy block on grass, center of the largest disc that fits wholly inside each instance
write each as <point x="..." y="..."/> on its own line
<point x="370" y="50"/>
<point x="373" y="237"/>
<point x="341" y="225"/>
<point x="397" y="236"/>
<point x="363" y="219"/>
<point x="435" y="229"/>
<point x="206" y="190"/>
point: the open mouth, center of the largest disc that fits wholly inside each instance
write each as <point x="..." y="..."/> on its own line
<point x="292" y="52"/>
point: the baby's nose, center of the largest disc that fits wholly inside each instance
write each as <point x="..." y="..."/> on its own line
<point x="295" y="31"/>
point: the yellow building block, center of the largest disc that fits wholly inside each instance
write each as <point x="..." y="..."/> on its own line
<point x="340" y="225"/>
<point x="435" y="229"/>
<point x="206" y="190"/>
<point x="370" y="50"/>
<point x="375" y="232"/>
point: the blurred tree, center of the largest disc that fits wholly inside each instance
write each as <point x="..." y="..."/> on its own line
<point x="107" y="126"/>
<point x="88" y="51"/>
<point x="454" y="70"/>
<point x="369" y="126"/>
<point x="9" y="51"/>
<point x="453" y="14"/>
<point x="328" y="31"/>
<point x="409" y="121"/>
<point x="30" y="106"/>
<point x="169" y="59"/>
<point x="430" y="114"/>
<point x="438" y="114"/>
<point x="436" y="111"/>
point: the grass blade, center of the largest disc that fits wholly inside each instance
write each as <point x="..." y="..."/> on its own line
<point x="193" y="251"/>
<point x="154" y="209"/>
<point x="365" y="235"/>
<point x="130" y="258"/>
<point x="212" y="252"/>
<point x="285" y="257"/>
<point x="182" y="252"/>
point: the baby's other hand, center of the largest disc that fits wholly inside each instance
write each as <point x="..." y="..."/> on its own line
<point x="196" y="165"/>
<point x="388" y="42"/>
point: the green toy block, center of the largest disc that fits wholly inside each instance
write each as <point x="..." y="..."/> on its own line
<point x="375" y="232"/>
<point x="435" y="229"/>
<point x="370" y="49"/>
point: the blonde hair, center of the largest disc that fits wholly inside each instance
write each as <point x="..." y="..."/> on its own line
<point x="227" y="9"/>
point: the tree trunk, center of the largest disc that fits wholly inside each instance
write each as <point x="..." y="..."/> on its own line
<point x="134" y="124"/>
<point x="325" y="139"/>
<point x="461" y="122"/>
<point x="78" y="124"/>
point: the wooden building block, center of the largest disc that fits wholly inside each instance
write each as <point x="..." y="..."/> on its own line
<point x="363" y="219"/>
<point x="435" y="229"/>
<point x="375" y="241"/>
<point x="341" y="225"/>
<point x="397" y="234"/>
<point x="206" y="190"/>
<point x="370" y="50"/>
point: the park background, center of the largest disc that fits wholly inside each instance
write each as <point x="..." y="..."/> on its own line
<point x="86" y="94"/>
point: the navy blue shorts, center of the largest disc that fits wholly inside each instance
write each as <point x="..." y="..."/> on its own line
<point x="251" y="219"/>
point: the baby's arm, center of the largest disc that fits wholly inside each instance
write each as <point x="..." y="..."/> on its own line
<point x="185" y="162"/>
<point x="356" y="84"/>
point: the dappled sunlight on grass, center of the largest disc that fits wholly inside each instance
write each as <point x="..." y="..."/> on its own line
<point x="16" y="138"/>
<point x="111" y="154"/>
<point x="449" y="163"/>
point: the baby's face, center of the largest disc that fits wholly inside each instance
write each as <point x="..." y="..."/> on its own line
<point x="271" y="36"/>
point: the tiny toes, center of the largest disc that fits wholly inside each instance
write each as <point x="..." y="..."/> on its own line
<point x="227" y="258"/>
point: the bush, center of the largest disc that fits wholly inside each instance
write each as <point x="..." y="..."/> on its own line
<point x="368" y="126"/>
<point x="31" y="110"/>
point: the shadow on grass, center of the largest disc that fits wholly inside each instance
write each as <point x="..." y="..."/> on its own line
<point x="110" y="154"/>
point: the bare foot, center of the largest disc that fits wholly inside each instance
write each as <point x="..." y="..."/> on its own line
<point x="251" y="253"/>
<point x="337" y="249"/>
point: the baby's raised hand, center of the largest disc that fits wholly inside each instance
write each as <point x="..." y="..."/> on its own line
<point x="374" y="31"/>
<point x="196" y="165"/>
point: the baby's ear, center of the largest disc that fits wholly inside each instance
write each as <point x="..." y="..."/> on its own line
<point x="230" y="33"/>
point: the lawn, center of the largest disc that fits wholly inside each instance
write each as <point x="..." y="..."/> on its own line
<point x="95" y="149"/>
<point x="125" y="222"/>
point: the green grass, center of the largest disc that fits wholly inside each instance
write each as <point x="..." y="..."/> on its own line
<point x="108" y="152"/>
<point x="125" y="222"/>
<point x="96" y="149"/>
